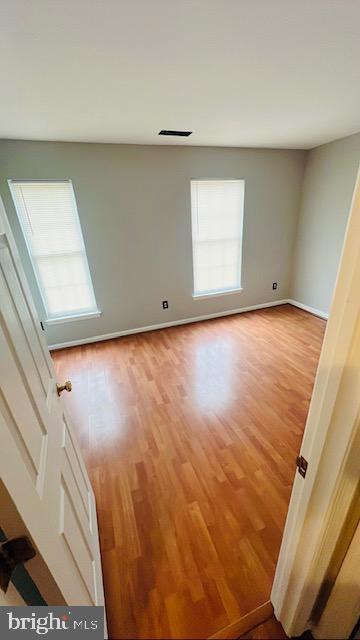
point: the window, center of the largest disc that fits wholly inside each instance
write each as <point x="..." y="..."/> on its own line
<point x="50" y="223"/>
<point x="217" y="220"/>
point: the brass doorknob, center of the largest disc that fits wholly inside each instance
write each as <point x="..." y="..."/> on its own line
<point x="67" y="386"/>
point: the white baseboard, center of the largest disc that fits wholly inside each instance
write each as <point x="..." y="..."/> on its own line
<point x="164" y="325"/>
<point x="305" y="307"/>
<point x="174" y="323"/>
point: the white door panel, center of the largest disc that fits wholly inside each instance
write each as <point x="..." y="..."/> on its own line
<point x="40" y="462"/>
<point x="15" y="280"/>
<point x="24" y="420"/>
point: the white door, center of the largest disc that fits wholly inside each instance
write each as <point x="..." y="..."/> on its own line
<point x="321" y="500"/>
<point x="40" y="463"/>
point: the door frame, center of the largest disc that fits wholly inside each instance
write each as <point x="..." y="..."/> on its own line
<point x="320" y="502"/>
<point x="331" y="625"/>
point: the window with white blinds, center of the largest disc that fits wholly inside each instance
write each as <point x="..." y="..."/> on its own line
<point x="50" y="222"/>
<point x="217" y="221"/>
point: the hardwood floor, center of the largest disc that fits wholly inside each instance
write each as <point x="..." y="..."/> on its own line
<point x="270" y="630"/>
<point x="190" y="435"/>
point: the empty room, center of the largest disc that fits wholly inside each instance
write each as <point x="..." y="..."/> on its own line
<point x="179" y="318"/>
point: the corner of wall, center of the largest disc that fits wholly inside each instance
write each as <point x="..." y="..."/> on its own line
<point x="297" y="225"/>
<point x="327" y="187"/>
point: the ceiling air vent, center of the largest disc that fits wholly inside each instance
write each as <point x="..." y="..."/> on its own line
<point x="169" y="132"/>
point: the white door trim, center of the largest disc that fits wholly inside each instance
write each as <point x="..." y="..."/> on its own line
<point x="315" y="510"/>
<point x="347" y="591"/>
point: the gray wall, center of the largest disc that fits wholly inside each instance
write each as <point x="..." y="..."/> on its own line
<point x="134" y="207"/>
<point x="329" y="182"/>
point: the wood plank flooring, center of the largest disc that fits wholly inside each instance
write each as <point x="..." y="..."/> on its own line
<point x="270" y="630"/>
<point x="190" y="435"/>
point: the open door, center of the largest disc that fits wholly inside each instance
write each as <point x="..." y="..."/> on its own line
<point x="40" y="463"/>
<point x="321" y="501"/>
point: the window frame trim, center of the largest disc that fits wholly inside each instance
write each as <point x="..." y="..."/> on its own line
<point x="72" y="315"/>
<point x="73" y="318"/>
<point x="217" y="294"/>
<point x="210" y="294"/>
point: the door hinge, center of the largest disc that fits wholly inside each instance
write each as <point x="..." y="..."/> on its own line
<point x="302" y="465"/>
<point x="13" y="553"/>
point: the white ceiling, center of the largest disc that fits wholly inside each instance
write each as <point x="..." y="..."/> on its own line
<point x="262" y="73"/>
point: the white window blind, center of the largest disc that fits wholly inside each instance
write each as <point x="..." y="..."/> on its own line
<point x="217" y="221"/>
<point x="50" y="223"/>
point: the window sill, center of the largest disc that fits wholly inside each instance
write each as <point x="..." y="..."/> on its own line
<point x="216" y="294"/>
<point x="78" y="316"/>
